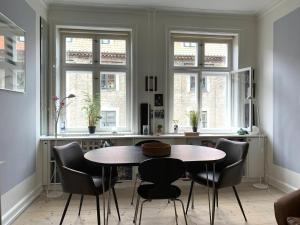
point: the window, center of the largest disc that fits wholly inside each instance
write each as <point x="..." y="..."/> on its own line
<point x="108" y="119"/>
<point x="108" y="81"/>
<point x="199" y="70"/>
<point x="97" y="63"/>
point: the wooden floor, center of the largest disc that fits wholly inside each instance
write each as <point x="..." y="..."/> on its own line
<point x="258" y="205"/>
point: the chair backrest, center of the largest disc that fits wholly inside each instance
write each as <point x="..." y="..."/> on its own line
<point x="69" y="155"/>
<point x="161" y="171"/>
<point x="140" y="143"/>
<point x="235" y="151"/>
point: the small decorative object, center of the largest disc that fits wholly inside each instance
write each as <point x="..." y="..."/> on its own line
<point x="59" y="106"/>
<point x="156" y="149"/>
<point x="194" y="119"/>
<point x="175" y="126"/>
<point x="151" y="83"/>
<point x="145" y="129"/>
<point x="158" y="100"/>
<point x="92" y="110"/>
<point x="159" y="129"/>
<point x="242" y="132"/>
<point x="159" y="114"/>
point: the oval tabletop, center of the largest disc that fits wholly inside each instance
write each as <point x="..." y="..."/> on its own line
<point x="133" y="155"/>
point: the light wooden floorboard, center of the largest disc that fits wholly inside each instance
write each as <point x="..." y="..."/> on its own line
<point x="258" y="206"/>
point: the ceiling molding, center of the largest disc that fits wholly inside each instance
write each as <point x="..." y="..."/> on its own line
<point x="141" y="10"/>
<point x="162" y="7"/>
<point x="268" y="9"/>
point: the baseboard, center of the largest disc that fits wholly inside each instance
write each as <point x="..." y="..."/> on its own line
<point x="18" y="208"/>
<point x="283" y="186"/>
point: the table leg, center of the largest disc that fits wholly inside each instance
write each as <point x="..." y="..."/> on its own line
<point x="207" y="183"/>
<point x="214" y="196"/>
<point x="103" y="194"/>
<point x="109" y="192"/>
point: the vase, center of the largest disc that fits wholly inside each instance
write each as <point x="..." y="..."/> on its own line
<point x="92" y="129"/>
<point x="195" y="129"/>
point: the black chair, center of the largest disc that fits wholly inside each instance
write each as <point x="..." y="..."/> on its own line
<point x="228" y="173"/>
<point x="137" y="177"/>
<point x="161" y="173"/>
<point x="79" y="176"/>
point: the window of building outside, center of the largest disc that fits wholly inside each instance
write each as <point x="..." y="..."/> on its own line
<point x="96" y="64"/>
<point x="199" y="70"/>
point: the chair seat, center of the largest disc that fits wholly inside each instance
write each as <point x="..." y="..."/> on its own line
<point x="150" y="191"/>
<point x="293" y="221"/>
<point x="201" y="177"/>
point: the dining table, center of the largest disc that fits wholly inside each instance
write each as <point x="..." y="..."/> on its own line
<point x="133" y="155"/>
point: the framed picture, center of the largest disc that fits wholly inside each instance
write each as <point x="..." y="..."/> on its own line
<point x="158" y="100"/>
<point x="12" y="56"/>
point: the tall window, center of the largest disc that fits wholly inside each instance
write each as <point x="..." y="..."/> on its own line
<point x="199" y="72"/>
<point x="97" y="64"/>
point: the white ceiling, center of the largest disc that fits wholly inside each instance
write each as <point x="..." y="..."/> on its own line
<point x="229" y="6"/>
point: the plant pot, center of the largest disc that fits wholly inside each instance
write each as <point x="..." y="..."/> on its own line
<point x="195" y="129"/>
<point x="92" y="129"/>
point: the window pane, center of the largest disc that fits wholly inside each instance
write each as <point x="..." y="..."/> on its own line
<point x="186" y="54"/>
<point x="112" y="52"/>
<point x="79" y="50"/>
<point x="108" y="119"/>
<point x="214" y="100"/>
<point x="185" y="99"/>
<point x="215" y="55"/>
<point x="113" y="99"/>
<point x="78" y="83"/>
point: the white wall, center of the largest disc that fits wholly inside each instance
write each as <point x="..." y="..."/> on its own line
<point x="284" y="179"/>
<point x="150" y="37"/>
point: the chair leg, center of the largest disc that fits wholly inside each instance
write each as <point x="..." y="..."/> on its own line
<point x="141" y="211"/>
<point x="182" y="210"/>
<point x="136" y="209"/>
<point x="213" y="207"/>
<point x="80" y="205"/>
<point x="239" y="201"/>
<point x="217" y="197"/>
<point x="176" y="215"/>
<point x="116" y="202"/>
<point x="65" y="210"/>
<point x="134" y="189"/>
<point x="189" y="198"/>
<point x="98" y="210"/>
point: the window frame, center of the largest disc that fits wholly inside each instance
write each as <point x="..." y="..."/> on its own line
<point x="198" y="70"/>
<point x="96" y="68"/>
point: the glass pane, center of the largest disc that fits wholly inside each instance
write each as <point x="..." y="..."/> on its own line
<point x="185" y="99"/>
<point x="113" y="99"/>
<point x="78" y="83"/>
<point x="214" y="100"/>
<point x="185" y="54"/>
<point x="112" y="52"/>
<point x="215" y="55"/>
<point x="79" y="50"/>
<point x="240" y="92"/>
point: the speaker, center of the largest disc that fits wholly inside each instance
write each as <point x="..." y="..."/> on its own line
<point x="145" y="117"/>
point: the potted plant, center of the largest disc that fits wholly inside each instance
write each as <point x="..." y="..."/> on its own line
<point x="194" y="120"/>
<point x="92" y="110"/>
<point x="159" y="129"/>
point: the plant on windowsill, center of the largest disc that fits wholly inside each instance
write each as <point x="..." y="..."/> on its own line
<point x="194" y="120"/>
<point x="59" y="106"/>
<point x="92" y="110"/>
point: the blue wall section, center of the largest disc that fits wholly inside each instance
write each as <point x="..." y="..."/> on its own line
<point x="18" y="111"/>
<point x="287" y="91"/>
